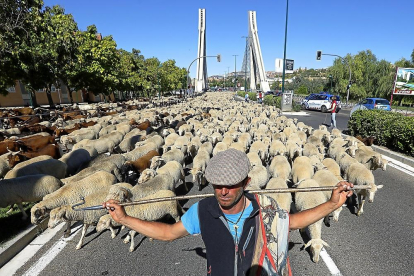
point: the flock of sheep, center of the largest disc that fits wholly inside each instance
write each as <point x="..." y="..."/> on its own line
<point x="142" y="154"/>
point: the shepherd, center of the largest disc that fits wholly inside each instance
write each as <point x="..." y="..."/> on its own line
<point x="231" y="222"/>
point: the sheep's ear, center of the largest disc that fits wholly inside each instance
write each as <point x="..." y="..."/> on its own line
<point x="380" y="186"/>
<point x="325" y="243"/>
<point x="309" y="243"/>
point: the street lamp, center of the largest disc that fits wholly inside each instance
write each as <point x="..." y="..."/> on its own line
<point x="318" y="57"/>
<point x="235" y="76"/>
<point x="188" y="70"/>
<point x="284" y="54"/>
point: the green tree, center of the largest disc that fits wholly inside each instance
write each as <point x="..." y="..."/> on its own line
<point x="17" y="19"/>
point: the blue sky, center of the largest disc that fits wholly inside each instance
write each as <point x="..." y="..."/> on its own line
<point x="169" y="29"/>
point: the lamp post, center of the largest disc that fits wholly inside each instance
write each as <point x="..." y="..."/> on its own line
<point x="330" y="77"/>
<point x="284" y="54"/>
<point x="319" y="53"/>
<point x="235" y="77"/>
<point x="224" y="80"/>
<point x="188" y="70"/>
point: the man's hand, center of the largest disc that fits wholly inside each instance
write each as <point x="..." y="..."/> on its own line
<point x="340" y="194"/>
<point x="117" y="212"/>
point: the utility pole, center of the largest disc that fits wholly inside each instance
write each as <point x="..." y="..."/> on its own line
<point x="284" y="55"/>
<point x="235" y="57"/>
<point x="224" y="80"/>
<point x="228" y="73"/>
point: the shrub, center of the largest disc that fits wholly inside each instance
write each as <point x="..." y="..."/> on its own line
<point x="391" y="129"/>
<point x="272" y="100"/>
<point x="296" y="107"/>
<point x="241" y="94"/>
<point x="252" y="96"/>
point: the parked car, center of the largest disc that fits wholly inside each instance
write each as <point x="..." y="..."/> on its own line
<point x="320" y="101"/>
<point x="376" y="103"/>
<point x="269" y="93"/>
<point x="372" y="103"/>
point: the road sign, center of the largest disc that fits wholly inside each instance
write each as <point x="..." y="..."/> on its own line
<point x="289" y="64"/>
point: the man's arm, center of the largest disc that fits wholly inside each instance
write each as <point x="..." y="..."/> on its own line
<point x="151" y="229"/>
<point x="339" y="195"/>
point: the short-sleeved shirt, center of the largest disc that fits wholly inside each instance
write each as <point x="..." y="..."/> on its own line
<point x="191" y="220"/>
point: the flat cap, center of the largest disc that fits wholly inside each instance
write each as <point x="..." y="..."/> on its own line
<point x="228" y="168"/>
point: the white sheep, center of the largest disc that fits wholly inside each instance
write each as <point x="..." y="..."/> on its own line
<point x="4" y="164"/>
<point x="284" y="200"/>
<point x="75" y="160"/>
<point x="215" y="138"/>
<point x="277" y="148"/>
<point x="100" y="145"/>
<point x="169" y="141"/>
<point x="30" y="188"/>
<point x="325" y="178"/>
<point x="344" y="161"/>
<point x="131" y="138"/>
<point x="261" y="149"/>
<point x="333" y="167"/>
<point x="358" y="174"/>
<point x="71" y="193"/>
<point x="309" y="200"/>
<point x="148" y="212"/>
<point x="181" y="143"/>
<point x="370" y="159"/>
<point x="48" y="166"/>
<point x="140" y="151"/>
<point x="171" y="168"/>
<point x="156" y="139"/>
<point x="220" y="146"/>
<point x="302" y="169"/>
<point x="207" y="146"/>
<point x="65" y="213"/>
<point x="280" y="168"/>
<point x="259" y="177"/>
<point x="254" y="159"/>
<point x="172" y="155"/>
<point x="199" y="168"/>
<point x="194" y="146"/>
<point x="311" y="149"/>
<point x="293" y="150"/>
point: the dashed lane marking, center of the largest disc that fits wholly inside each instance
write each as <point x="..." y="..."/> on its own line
<point x="333" y="269"/>
<point x="38" y="267"/>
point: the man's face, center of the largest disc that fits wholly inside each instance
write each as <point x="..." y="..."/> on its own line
<point x="229" y="196"/>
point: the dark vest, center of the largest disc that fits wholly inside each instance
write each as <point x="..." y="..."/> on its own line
<point x="224" y="257"/>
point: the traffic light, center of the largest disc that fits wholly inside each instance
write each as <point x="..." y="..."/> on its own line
<point x="318" y="55"/>
<point x="219" y="58"/>
<point x="349" y="85"/>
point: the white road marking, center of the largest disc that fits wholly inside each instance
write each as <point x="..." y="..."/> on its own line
<point x="38" y="267"/>
<point x="399" y="165"/>
<point x="333" y="269"/>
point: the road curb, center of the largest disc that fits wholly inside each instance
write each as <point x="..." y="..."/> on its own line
<point x="14" y="246"/>
<point x="394" y="155"/>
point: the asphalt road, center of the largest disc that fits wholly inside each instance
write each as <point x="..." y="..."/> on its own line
<point x="377" y="243"/>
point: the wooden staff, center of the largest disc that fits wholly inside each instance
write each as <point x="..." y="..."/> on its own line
<point x="265" y="191"/>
